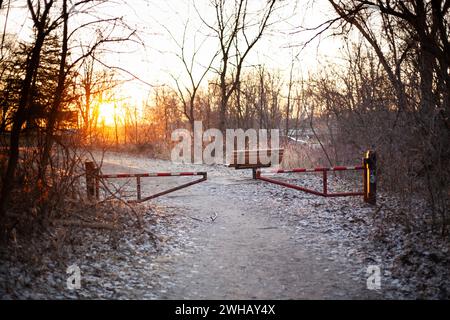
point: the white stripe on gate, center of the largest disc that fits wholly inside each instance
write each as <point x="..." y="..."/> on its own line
<point x="153" y="174"/>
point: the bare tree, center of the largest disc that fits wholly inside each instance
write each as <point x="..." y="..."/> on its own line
<point x="56" y="104"/>
<point x="234" y="28"/>
<point x="92" y="86"/>
<point x="417" y="65"/>
<point x="189" y="62"/>
<point x="288" y="103"/>
<point x="40" y="16"/>
<point x="46" y="20"/>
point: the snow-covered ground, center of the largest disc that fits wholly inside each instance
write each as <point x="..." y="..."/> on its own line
<point x="232" y="237"/>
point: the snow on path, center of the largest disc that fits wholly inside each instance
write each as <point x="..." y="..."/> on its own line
<point x="232" y="237"/>
<point x="245" y="239"/>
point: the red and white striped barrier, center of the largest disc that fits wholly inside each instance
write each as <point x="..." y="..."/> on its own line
<point x="93" y="177"/>
<point x="324" y="192"/>
<point x="318" y="169"/>
<point x="152" y="174"/>
<point x="138" y="177"/>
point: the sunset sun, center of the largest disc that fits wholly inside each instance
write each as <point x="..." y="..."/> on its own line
<point x="109" y="113"/>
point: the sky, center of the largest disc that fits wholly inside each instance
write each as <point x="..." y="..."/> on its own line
<point x="160" y="25"/>
<point x="158" y="64"/>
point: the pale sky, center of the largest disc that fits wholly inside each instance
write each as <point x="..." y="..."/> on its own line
<point x="155" y="61"/>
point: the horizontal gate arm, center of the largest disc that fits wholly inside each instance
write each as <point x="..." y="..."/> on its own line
<point x="204" y="178"/>
<point x="345" y="194"/>
<point x="150" y="175"/>
<point x="347" y="168"/>
<point x="284" y="184"/>
<point x="318" y="169"/>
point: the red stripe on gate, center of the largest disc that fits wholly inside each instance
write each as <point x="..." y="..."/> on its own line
<point x="188" y="173"/>
<point x="163" y="174"/>
<point x="318" y="169"/>
<point x="108" y="176"/>
<point x="341" y="168"/>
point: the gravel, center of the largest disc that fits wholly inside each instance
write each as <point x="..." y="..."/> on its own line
<point x="231" y="238"/>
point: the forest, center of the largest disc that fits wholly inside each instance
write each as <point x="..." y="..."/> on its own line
<point x="64" y="101"/>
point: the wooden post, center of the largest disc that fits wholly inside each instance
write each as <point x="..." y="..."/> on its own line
<point x="91" y="179"/>
<point x="325" y="183"/>
<point x="138" y="187"/>
<point x="97" y="184"/>
<point x="370" y="177"/>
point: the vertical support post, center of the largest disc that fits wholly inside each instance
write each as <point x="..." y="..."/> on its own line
<point x="97" y="185"/>
<point x="254" y="173"/>
<point x="325" y="183"/>
<point x="370" y="177"/>
<point x="365" y="179"/>
<point x="91" y="172"/>
<point x="138" y="187"/>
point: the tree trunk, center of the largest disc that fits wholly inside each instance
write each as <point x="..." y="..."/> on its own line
<point x="56" y="105"/>
<point x="18" y="121"/>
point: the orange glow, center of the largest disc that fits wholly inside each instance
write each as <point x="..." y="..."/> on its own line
<point x="109" y="113"/>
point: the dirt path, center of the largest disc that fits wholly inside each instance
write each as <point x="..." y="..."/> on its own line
<point x="237" y="245"/>
<point x="233" y="238"/>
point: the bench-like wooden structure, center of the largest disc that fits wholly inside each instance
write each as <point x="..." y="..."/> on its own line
<point x="250" y="159"/>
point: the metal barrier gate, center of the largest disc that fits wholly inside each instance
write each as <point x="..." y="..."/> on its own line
<point x="369" y="179"/>
<point x="368" y="167"/>
<point x="93" y="178"/>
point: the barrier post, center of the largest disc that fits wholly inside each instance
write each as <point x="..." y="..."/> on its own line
<point x="97" y="184"/>
<point x="325" y="183"/>
<point x="138" y="187"/>
<point x="254" y="173"/>
<point x="91" y="179"/>
<point x="370" y="177"/>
